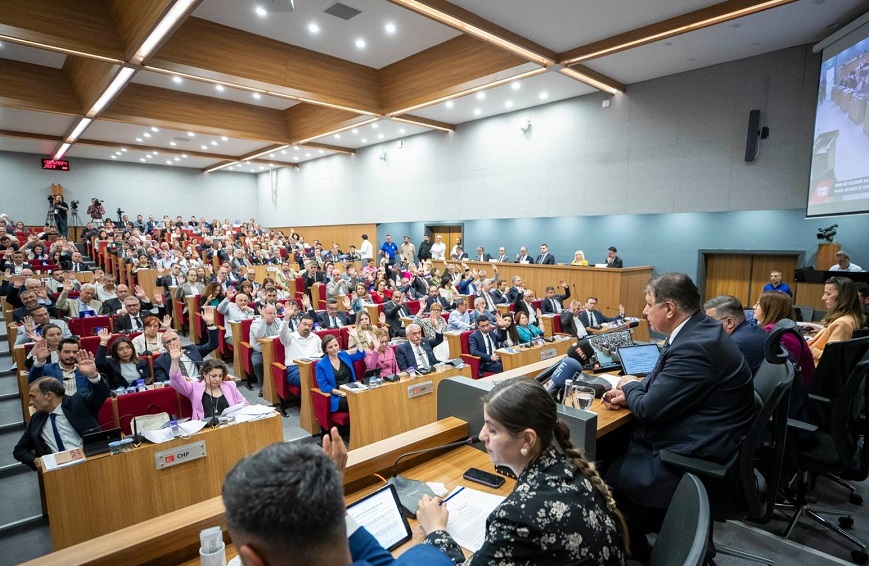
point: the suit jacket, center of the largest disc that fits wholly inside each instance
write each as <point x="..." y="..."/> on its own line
<point x="195" y="353"/>
<point x="72" y="307"/>
<point x="405" y="357"/>
<point x="616" y="262"/>
<point x="698" y="401"/>
<point x="568" y="324"/>
<point x="548" y="260"/>
<point x="477" y="347"/>
<point x="499" y="297"/>
<point x="326" y="374"/>
<point x="393" y="313"/>
<point x="326" y="322"/>
<point x="599" y="318"/>
<point x="420" y="286"/>
<point x="53" y="370"/>
<point x="512" y="293"/>
<point x="486" y="257"/>
<point x="546" y="306"/>
<point x="524" y="259"/>
<point x="112" y="369"/>
<point x="125" y="324"/>
<point x="80" y="409"/>
<point x="366" y="551"/>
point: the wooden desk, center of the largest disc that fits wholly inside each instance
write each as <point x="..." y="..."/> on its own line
<point x="195" y="334"/>
<point x="547" y="324"/>
<point x="526" y="356"/>
<point x="269" y="393"/>
<point x="107" y="492"/>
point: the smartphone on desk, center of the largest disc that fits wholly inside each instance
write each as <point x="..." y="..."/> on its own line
<point x="479" y="476"/>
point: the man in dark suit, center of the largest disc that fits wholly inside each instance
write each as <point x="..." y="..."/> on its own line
<point x="593" y="318"/>
<point x="59" y="420"/>
<point x="750" y="339"/>
<point x="13" y="260"/>
<point x="552" y="303"/>
<point x="482" y="344"/>
<point x="516" y="290"/>
<point x="193" y="355"/>
<point x="522" y="256"/>
<point x="434" y="296"/>
<point x="113" y="305"/>
<point x="545" y="258"/>
<point x="482" y="255"/>
<point x="131" y="321"/>
<point x="416" y="352"/>
<point x="570" y="321"/>
<point x="499" y="294"/>
<point x="612" y="260"/>
<point x="333" y="318"/>
<point x="698" y="401"/>
<point x="394" y="310"/>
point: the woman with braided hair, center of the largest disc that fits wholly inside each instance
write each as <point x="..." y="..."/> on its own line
<point x="560" y="511"/>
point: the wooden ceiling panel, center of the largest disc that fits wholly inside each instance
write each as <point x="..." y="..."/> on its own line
<point x="82" y="26"/>
<point x="89" y="78"/>
<point x="221" y="53"/>
<point x="308" y="121"/>
<point x="443" y="70"/>
<point x="134" y="21"/>
<point x="34" y="87"/>
<point x="152" y="106"/>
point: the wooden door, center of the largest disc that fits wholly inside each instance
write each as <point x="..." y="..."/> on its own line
<point x="744" y="275"/>
<point x="449" y="233"/>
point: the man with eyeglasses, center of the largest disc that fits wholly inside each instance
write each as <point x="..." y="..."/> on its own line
<point x="193" y="355"/>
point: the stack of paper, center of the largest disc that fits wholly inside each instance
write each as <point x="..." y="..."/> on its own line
<point x="469" y="510"/>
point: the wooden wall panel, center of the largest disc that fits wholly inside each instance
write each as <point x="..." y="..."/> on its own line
<point x="727" y="274"/>
<point x="761" y="267"/>
<point x="89" y="78"/>
<point x="34" y="87"/>
<point x="308" y="121"/>
<point x="826" y="256"/>
<point x="344" y="235"/>
<point x="809" y="295"/>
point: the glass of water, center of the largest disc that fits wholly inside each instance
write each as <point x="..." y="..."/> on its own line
<point x="583" y="396"/>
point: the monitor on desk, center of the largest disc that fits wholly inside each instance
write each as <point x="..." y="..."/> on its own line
<point x="606" y="347"/>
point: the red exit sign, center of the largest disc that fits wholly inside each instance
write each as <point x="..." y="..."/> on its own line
<point x="55" y="164"/>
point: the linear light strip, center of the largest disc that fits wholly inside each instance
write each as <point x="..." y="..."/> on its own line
<point x="678" y="31"/>
<point x="423" y="124"/>
<point x="471" y="29"/>
<point x="80" y="127"/>
<point x="338" y="130"/>
<point x="465" y="92"/>
<point x="574" y="74"/>
<point x="219" y="167"/>
<point x="116" y="85"/>
<point x="161" y="29"/>
<point x="63" y="149"/>
<point x="49" y="47"/>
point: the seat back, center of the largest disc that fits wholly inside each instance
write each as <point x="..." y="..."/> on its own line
<point x="685" y="532"/>
<point x="336" y="332"/>
<point x="85" y="326"/>
<point x="147" y="402"/>
<point x="847" y="426"/>
<point x="836" y="364"/>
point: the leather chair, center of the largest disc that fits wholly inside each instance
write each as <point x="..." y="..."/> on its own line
<point x="836" y="364"/>
<point x="85" y="326"/>
<point x="689" y="509"/>
<point x="472" y="361"/>
<point x="278" y="373"/>
<point x="321" y="403"/>
<point x="747" y="489"/>
<point x="148" y="402"/>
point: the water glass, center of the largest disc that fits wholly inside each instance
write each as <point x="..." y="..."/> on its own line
<point x="583" y="397"/>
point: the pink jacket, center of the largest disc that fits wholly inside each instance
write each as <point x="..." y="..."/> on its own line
<point x="193" y="390"/>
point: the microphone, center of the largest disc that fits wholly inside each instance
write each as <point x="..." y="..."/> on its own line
<point x="621" y="327"/>
<point x="411" y="491"/>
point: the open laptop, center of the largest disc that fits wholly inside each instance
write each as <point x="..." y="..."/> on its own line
<point x="640" y="359"/>
<point x="606" y="347"/>
<point x="97" y="442"/>
<point x="380" y="514"/>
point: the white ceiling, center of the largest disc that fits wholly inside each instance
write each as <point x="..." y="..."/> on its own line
<point x="26" y="54"/>
<point x="133" y="155"/>
<point x="372" y="134"/>
<point x="127" y="135"/>
<point x="336" y="37"/>
<point x="297" y="154"/>
<point x="35" y="147"/>
<point x="35" y="122"/>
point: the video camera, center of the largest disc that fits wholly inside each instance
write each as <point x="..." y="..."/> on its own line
<point x="828" y="233"/>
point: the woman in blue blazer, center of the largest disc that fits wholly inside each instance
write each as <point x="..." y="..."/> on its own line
<point x="336" y="369"/>
<point x="526" y="332"/>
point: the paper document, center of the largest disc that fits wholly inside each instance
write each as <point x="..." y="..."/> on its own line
<point x="612" y="379"/>
<point x="62" y="459"/>
<point x="165" y="434"/>
<point x="253" y="412"/>
<point x="468" y="513"/>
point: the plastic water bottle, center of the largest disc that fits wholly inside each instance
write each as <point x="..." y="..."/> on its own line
<point x="568" y="401"/>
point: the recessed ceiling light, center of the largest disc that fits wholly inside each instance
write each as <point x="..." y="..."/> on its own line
<point x="355" y="131"/>
<point x="142" y="159"/>
<point x="307" y="155"/>
<point x="173" y="144"/>
<point x="177" y="159"/>
<point x="516" y="86"/>
<point x="449" y="104"/>
<point x="509" y="104"/>
<point x="271" y="155"/>
<point x="337" y="136"/>
<point x="364" y="140"/>
<point x="544" y="95"/>
<point x="149" y="156"/>
<point x="224" y="138"/>
<point x="114" y="156"/>
<point x="374" y="125"/>
<point x="205" y="147"/>
<point x="184" y="155"/>
<point x="322" y="152"/>
<point x="271" y="164"/>
<point x="176" y="80"/>
<point x="313" y="28"/>
<point x="481" y="95"/>
<point x="191" y="135"/>
<point x="139" y="140"/>
<point x="147" y="135"/>
<point x="296" y="148"/>
<point x="219" y="88"/>
<point x="260" y="11"/>
<point x="117" y="153"/>
<point x="252" y="170"/>
<point x="257" y="95"/>
<point x="153" y="129"/>
<point x="248" y="162"/>
<point x="168" y="162"/>
<point x="156" y="152"/>
<point x="360" y="44"/>
<point x="390" y="27"/>
<point x="296" y="157"/>
<point x="401" y="130"/>
<point x="213" y="142"/>
<point x="477" y="111"/>
<point x="261" y="167"/>
<point x="380" y="136"/>
<point x="231" y="167"/>
<point x="283" y="152"/>
<point x="123" y="149"/>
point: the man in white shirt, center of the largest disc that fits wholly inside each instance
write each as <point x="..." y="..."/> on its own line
<point x="439" y="248"/>
<point x="266" y="325"/>
<point x="460" y="318"/>
<point x="366" y="250"/>
<point x="843" y="263"/>
<point x="302" y="343"/>
<point x="235" y="311"/>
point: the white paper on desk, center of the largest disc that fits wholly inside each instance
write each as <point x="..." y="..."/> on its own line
<point x="611" y="379"/>
<point x="232" y="409"/>
<point x="468" y="513"/>
<point x="254" y="412"/>
<point x="162" y="435"/>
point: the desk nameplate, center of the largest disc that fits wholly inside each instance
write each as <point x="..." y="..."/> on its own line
<point x="418" y="389"/>
<point x="180" y="455"/>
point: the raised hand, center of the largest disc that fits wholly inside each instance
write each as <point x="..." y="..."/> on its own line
<point x="40" y="350"/>
<point x="346" y="302"/>
<point x="306" y="302"/>
<point x="375" y="342"/>
<point x="29" y="325"/>
<point x="208" y="316"/>
<point x="231" y="292"/>
<point x="140" y="292"/>
<point x="167" y="322"/>
<point x="175" y="352"/>
<point x="104" y="335"/>
<point x="85" y="364"/>
<point x="381" y="319"/>
<point x="158" y="297"/>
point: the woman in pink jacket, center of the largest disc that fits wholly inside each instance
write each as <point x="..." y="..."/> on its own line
<point x="211" y="396"/>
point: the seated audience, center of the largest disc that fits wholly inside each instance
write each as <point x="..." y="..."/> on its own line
<point x="772" y="307"/>
<point x="844" y="314"/>
<point x="299" y="344"/>
<point x="612" y="259"/>
<point x="460" y="318"/>
<point x="776" y="284"/>
<point x="192" y="355"/>
<point x="394" y="310"/>
<point x="124" y="367"/>
<point x="37" y="318"/>
<point x="149" y="342"/>
<point x="52" y="334"/>
<point x="361" y="334"/>
<point x="843" y="263"/>
<point x="552" y="303"/>
<point x="66" y="370"/>
<point x="727" y="310"/>
<point x="266" y="325"/>
<point x="579" y="258"/>
<point x="483" y="343"/>
<point x="432" y="324"/>
<point x="209" y="397"/>
<point x="526" y="331"/>
<point x="593" y="318"/>
<point x="234" y="311"/>
<point x="505" y="330"/>
<point x="571" y="323"/>
<point x="85" y="303"/>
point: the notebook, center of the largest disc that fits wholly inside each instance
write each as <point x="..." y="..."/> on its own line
<point x="380" y="514"/>
<point x="640" y="359"/>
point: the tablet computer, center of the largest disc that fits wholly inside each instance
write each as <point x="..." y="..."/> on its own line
<point x="639" y="360"/>
<point x="380" y="514"/>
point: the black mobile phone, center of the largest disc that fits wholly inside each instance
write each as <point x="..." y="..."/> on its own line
<point x="505" y="471"/>
<point x="485" y="478"/>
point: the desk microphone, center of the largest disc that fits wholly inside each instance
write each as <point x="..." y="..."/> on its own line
<point x="626" y="326"/>
<point x="411" y="491"/>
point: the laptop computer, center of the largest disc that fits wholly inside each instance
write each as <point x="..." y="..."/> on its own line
<point x="380" y="514"/>
<point x="97" y="442"/>
<point x="640" y="359"/>
<point x="606" y="349"/>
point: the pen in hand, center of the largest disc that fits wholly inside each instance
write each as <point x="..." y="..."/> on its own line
<point x="458" y="491"/>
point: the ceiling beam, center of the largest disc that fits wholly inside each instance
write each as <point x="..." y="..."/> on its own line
<point x="82" y="27"/>
<point x="593" y="78"/>
<point x="306" y="122"/>
<point x="425" y="122"/>
<point x="226" y="55"/>
<point x="705" y="17"/>
<point x="34" y="87"/>
<point x="89" y="78"/>
<point x="134" y="21"/>
<point x="153" y="106"/>
<point x="470" y="23"/>
<point x="329" y="147"/>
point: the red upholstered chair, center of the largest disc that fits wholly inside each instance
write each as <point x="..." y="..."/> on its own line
<point x="536" y="303"/>
<point x="179" y="314"/>
<point x="223" y="347"/>
<point x="146" y="403"/>
<point x="107" y="416"/>
<point x="556" y="324"/>
<point x="85" y="326"/>
<point x="412" y="306"/>
<point x="336" y="332"/>
<point x="278" y="371"/>
<point x="244" y="346"/>
<point x="473" y="361"/>
<point x="90" y="343"/>
<point x="185" y="407"/>
<point x="322" y="405"/>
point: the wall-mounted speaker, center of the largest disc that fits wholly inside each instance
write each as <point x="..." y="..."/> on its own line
<point x="755" y="133"/>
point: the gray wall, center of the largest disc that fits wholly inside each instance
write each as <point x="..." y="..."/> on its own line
<point x="675" y="144"/>
<point x="137" y="189"/>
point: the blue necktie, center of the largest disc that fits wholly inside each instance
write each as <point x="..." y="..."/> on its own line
<point x="60" y="447"/>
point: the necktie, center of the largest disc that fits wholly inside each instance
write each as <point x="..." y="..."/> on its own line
<point x="591" y="319"/>
<point x="183" y="368"/>
<point x="137" y="324"/>
<point x="555" y="306"/>
<point x="334" y="323"/>
<point x="423" y="361"/>
<point x="60" y="446"/>
<point x="489" y="302"/>
<point x="488" y="343"/>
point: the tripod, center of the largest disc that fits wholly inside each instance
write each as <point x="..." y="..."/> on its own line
<point x="49" y="216"/>
<point x="75" y="222"/>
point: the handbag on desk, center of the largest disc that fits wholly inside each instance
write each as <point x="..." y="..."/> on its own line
<point x="151" y="421"/>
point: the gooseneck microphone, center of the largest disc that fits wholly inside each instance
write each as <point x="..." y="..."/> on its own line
<point x="411" y="491"/>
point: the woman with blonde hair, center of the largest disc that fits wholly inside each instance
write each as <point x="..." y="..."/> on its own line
<point x="843" y="317"/>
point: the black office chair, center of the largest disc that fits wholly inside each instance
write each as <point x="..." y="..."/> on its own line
<point x="835" y="449"/>
<point x="688" y="509"/>
<point x="747" y="489"/>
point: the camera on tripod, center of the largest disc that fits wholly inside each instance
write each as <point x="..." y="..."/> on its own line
<point x="74" y="204"/>
<point x="50" y="198"/>
<point x="120" y="212"/>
